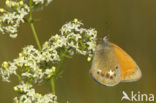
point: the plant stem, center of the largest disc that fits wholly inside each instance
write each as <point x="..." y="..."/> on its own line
<point x="62" y="59"/>
<point x="35" y="35"/>
<point x="32" y="25"/>
<point x="61" y="62"/>
<point x="19" y="78"/>
<point x="52" y="81"/>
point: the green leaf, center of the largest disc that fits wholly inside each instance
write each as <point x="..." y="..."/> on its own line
<point x="59" y="74"/>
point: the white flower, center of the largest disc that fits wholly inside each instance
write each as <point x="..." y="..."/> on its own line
<point x="48" y="71"/>
<point x="74" y="39"/>
<point x="6" y="72"/>
<point x="91" y="45"/>
<point x="11" y="18"/>
<point x="10" y="21"/>
<point x="79" y="38"/>
<point x="36" y="65"/>
<point x="38" y="1"/>
<point x="42" y="2"/>
<point x="13" y="35"/>
<point x="30" y="96"/>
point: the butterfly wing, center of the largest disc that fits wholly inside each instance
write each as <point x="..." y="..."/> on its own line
<point x="129" y="69"/>
<point x="105" y="66"/>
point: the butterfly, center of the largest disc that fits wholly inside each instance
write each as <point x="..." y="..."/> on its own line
<point x="112" y="65"/>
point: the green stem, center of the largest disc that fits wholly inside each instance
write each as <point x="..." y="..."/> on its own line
<point x="61" y="62"/>
<point x="32" y="25"/>
<point x="52" y="81"/>
<point x="19" y="78"/>
<point x="35" y="35"/>
<point x="31" y="7"/>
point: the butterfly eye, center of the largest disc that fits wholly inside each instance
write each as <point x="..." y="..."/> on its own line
<point x="117" y="67"/>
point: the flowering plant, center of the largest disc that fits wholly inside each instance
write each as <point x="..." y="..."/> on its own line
<point x="33" y="65"/>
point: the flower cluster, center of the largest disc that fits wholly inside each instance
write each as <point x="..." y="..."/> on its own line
<point x="12" y="16"/>
<point x="74" y="38"/>
<point x="30" y="96"/>
<point x="33" y="65"/>
<point x="14" y="13"/>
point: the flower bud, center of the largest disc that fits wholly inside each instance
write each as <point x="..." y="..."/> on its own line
<point x="5" y="64"/>
<point x="75" y="20"/>
<point x="25" y="52"/>
<point x="15" y="88"/>
<point x="7" y="3"/>
<point x="2" y="10"/>
<point x="46" y="43"/>
<point x="40" y="70"/>
<point x="89" y="59"/>
<point x="54" y="69"/>
<point x="13" y="4"/>
<point x="25" y="64"/>
<point x="56" y="36"/>
<point x="20" y="54"/>
<point x="21" y="2"/>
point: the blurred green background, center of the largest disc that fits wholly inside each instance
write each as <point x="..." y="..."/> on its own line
<point x="131" y="24"/>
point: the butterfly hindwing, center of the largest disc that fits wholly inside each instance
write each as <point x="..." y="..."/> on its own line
<point x="105" y="66"/>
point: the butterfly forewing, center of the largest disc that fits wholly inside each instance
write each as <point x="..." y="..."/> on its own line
<point x="129" y="69"/>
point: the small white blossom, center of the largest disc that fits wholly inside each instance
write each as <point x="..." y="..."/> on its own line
<point x="10" y="21"/>
<point x="11" y="18"/>
<point x="29" y="95"/>
<point x="7" y="71"/>
<point x="42" y="2"/>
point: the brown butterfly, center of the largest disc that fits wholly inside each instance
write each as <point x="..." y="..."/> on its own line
<point x="111" y="64"/>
